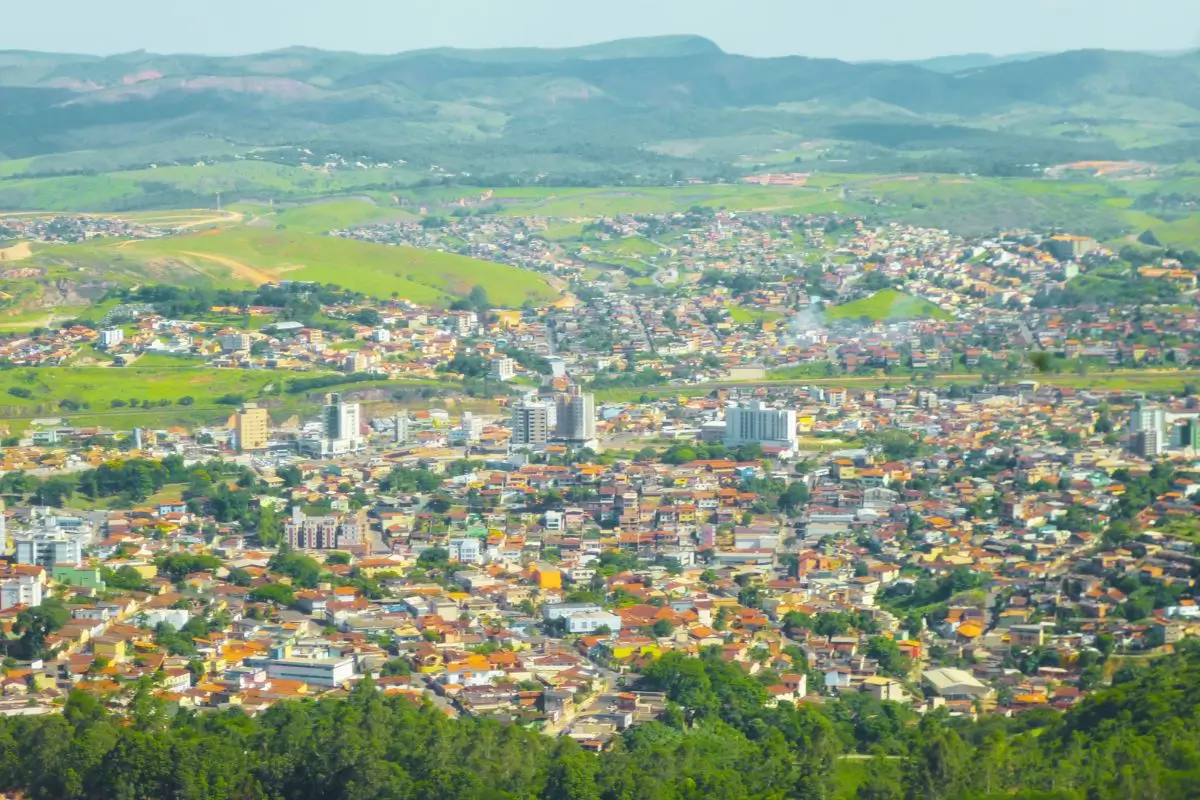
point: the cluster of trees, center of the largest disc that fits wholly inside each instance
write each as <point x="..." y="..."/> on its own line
<point x="476" y="300"/>
<point x="684" y="453"/>
<point x="402" y="479"/>
<point x="301" y="302"/>
<point x="718" y="739"/>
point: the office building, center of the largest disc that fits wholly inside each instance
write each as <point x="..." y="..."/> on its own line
<point x="1148" y="429"/>
<point x="331" y="532"/>
<point x="502" y="368"/>
<point x="252" y="428"/>
<point x="111" y="337"/>
<point x="47" y="549"/>
<point x="576" y="418"/>
<point x="760" y="424"/>
<point x="325" y="672"/>
<point x="530" y="425"/>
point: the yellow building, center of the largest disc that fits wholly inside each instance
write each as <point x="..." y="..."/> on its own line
<point x="547" y="577"/>
<point x="253" y="428"/>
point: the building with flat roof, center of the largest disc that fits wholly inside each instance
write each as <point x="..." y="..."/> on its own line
<point x="252" y="427"/>
<point x="758" y="423"/>
<point x="530" y="425"/>
<point x="331" y="532"/>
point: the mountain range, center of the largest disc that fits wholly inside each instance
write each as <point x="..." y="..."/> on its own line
<point x="628" y="109"/>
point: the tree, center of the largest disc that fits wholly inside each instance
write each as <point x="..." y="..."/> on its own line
<point x="794" y="497"/>
<point x="662" y="628"/>
<point x="278" y="593"/>
<point x="478" y="299"/>
<point x="396" y="667"/>
<point x="33" y="625"/>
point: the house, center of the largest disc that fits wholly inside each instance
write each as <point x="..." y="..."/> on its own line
<point x="882" y="688"/>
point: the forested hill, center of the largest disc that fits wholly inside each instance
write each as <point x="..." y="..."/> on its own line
<point x="1140" y="739"/>
<point x="678" y="102"/>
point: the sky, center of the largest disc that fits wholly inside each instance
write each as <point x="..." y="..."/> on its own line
<point x="846" y="29"/>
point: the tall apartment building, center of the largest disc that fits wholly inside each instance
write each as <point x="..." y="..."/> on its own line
<point x="760" y="424"/>
<point x="21" y="590"/>
<point x="47" y="549"/>
<point x="111" y="337"/>
<point x="341" y="426"/>
<point x="253" y="428"/>
<point x="502" y="368"/>
<point x="530" y="425"/>
<point x="331" y="532"/>
<point x="1148" y="426"/>
<point x="576" y="423"/>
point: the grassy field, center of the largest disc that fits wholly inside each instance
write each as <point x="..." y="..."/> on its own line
<point x="887" y="305"/>
<point x="744" y="315"/>
<point x="156" y="380"/>
<point x="245" y="256"/>
<point x="334" y="215"/>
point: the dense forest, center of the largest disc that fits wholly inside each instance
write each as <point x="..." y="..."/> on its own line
<point x="718" y="739"/>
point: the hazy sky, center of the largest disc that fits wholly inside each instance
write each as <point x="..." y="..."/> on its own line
<point x="849" y="29"/>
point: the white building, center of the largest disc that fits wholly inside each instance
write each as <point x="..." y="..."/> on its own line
<point x="21" y="590"/>
<point x="328" y="672"/>
<point x="111" y="337"/>
<point x="1148" y="424"/>
<point x="582" y="617"/>
<point x="502" y="368"/>
<point x="761" y="424"/>
<point x="466" y="550"/>
<point x="470" y="428"/>
<point x="47" y="549"/>
<point x="341" y="429"/>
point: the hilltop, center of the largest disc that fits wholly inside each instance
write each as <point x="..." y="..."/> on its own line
<point x="645" y="110"/>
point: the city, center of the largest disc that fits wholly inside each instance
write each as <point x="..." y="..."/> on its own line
<point x="473" y="418"/>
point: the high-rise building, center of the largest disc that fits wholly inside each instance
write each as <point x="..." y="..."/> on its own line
<point x="1148" y="426"/>
<point x="760" y="424"/>
<point x="341" y="430"/>
<point x="470" y="428"/>
<point x="402" y="428"/>
<point x="253" y="428"/>
<point x="502" y="368"/>
<point x="1186" y="434"/>
<point x="576" y="418"/>
<point x="530" y="425"/>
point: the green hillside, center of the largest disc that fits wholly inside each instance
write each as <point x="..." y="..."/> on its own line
<point x="634" y="112"/>
<point x="251" y="256"/>
<point x="888" y="305"/>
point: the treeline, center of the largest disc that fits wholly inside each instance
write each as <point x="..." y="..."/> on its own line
<point x="718" y="739"/>
<point x="207" y="489"/>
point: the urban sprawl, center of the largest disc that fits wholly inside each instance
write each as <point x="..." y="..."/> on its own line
<point x="832" y="452"/>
